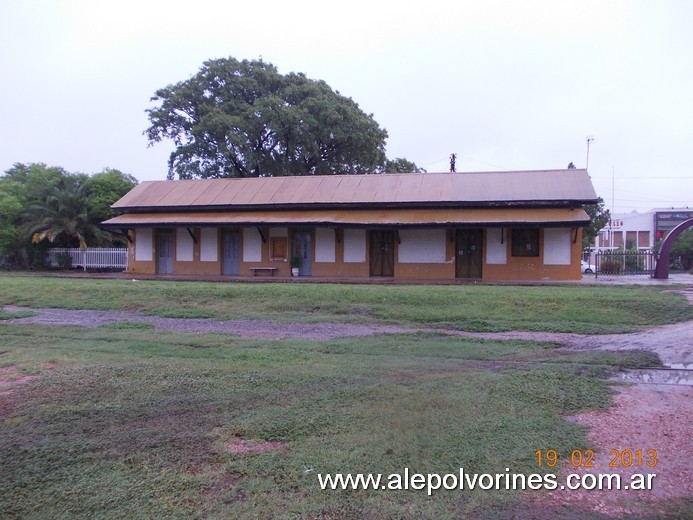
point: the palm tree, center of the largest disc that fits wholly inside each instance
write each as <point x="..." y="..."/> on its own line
<point x="63" y="213"/>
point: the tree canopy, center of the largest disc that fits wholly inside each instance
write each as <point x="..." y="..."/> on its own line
<point x="42" y="205"/>
<point x="401" y="165"/>
<point x="599" y="217"/>
<point x="62" y="213"/>
<point x="245" y="119"/>
<point x="103" y="189"/>
<point x="681" y="253"/>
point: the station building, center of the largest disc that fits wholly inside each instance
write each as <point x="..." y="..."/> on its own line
<point x="489" y="226"/>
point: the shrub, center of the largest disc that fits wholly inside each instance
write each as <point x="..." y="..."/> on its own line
<point x="64" y="261"/>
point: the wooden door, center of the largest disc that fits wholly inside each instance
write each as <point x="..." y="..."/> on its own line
<point x="468" y="257"/>
<point x="382" y="253"/>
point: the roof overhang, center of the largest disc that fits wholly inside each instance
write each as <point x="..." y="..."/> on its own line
<point x="497" y="217"/>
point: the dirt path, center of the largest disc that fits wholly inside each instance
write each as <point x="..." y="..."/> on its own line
<point x="244" y="328"/>
<point x="674" y="343"/>
<point x="644" y="417"/>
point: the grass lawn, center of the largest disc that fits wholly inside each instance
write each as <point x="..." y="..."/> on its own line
<point x="131" y="422"/>
<point x="580" y="309"/>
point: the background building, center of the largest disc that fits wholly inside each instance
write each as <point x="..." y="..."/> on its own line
<point x="640" y="230"/>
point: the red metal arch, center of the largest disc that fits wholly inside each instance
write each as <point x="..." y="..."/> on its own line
<point x="662" y="269"/>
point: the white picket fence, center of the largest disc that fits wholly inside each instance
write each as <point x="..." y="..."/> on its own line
<point x="90" y="258"/>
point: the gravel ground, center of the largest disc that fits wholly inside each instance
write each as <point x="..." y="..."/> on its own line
<point x="644" y="417"/>
<point x="244" y="328"/>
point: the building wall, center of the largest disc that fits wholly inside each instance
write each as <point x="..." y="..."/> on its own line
<point x="558" y="258"/>
<point x="418" y="253"/>
<point x="425" y="254"/>
<point x="349" y="258"/>
<point x="641" y="230"/>
<point x="141" y="251"/>
<point x="628" y="229"/>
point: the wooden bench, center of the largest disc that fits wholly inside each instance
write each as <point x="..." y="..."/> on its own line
<point x="256" y="269"/>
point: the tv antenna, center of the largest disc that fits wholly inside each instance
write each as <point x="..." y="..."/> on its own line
<point x="590" y="138"/>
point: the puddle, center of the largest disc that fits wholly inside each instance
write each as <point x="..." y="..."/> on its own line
<point x="678" y="374"/>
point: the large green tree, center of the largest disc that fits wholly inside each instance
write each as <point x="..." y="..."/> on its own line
<point x="43" y="206"/>
<point x="35" y="179"/>
<point x="681" y="253"/>
<point x="599" y="217"/>
<point x="401" y="165"/>
<point x="245" y="119"/>
<point x="103" y="189"/>
<point x="20" y="186"/>
<point x="63" y="213"/>
<point x="11" y="205"/>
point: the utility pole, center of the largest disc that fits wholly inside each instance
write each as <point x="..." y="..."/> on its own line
<point x="587" y="162"/>
<point x="613" y="191"/>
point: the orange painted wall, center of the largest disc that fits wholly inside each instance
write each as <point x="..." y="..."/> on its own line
<point x="340" y="268"/>
<point x="141" y="266"/>
<point x="533" y="268"/>
<point x="522" y="268"/>
<point x="429" y="271"/>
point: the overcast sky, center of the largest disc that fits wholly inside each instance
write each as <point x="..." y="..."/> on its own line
<point x="506" y="85"/>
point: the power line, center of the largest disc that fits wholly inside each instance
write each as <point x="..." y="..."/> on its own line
<point x="685" y="177"/>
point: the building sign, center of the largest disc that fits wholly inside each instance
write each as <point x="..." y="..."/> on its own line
<point x="666" y="221"/>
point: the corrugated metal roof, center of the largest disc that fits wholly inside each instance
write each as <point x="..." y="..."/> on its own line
<point x="445" y="189"/>
<point x="391" y="218"/>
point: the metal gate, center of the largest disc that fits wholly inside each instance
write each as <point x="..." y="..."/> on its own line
<point x="624" y="262"/>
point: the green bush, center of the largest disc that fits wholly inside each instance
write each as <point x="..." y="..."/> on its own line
<point x="64" y="261"/>
<point x="610" y="265"/>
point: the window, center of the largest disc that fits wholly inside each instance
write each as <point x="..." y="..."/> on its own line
<point x="604" y="239"/>
<point x="643" y="239"/>
<point x="631" y="239"/>
<point x="618" y="239"/>
<point x="278" y="246"/>
<point x="525" y="242"/>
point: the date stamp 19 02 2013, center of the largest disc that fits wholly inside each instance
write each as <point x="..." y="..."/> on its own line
<point x="585" y="459"/>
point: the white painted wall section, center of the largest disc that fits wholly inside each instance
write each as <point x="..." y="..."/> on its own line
<point x="422" y="246"/>
<point x="143" y="244"/>
<point x="184" y="245"/>
<point x="557" y="246"/>
<point x="496" y="247"/>
<point x="209" y="247"/>
<point x="252" y="245"/>
<point x="324" y="245"/>
<point x="354" y="245"/>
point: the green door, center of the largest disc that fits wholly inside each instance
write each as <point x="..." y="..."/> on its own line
<point x="303" y="249"/>
<point x="164" y="246"/>
<point x="231" y="252"/>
